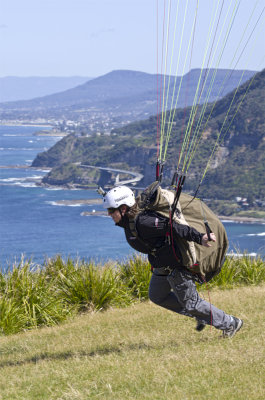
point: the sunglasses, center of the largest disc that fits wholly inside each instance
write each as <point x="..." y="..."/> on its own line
<point x="111" y="210"/>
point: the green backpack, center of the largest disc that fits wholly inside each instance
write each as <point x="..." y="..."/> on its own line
<point x="206" y="261"/>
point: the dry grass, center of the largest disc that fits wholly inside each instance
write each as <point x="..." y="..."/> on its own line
<point x="140" y="352"/>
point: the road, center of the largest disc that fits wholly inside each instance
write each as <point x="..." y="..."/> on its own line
<point x="136" y="175"/>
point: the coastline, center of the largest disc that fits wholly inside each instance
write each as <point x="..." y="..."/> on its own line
<point x="50" y="133"/>
<point x="98" y="201"/>
<point x="41" y="132"/>
<point x="242" y="219"/>
<point x="17" y="123"/>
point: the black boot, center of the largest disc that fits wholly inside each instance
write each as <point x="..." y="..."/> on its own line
<point x="200" y="326"/>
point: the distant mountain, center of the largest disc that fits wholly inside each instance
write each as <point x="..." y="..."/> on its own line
<point x="236" y="170"/>
<point x="125" y="91"/>
<point x="13" y="88"/>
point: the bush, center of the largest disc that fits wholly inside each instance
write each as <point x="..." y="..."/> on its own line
<point x="136" y="274"/>
<point x="28" y="299"/>
<point x="238" y="271"/>
<point x="91" y="287"/>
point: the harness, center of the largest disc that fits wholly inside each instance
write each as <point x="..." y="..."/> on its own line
<point x="150" y="249"/>
<point x="204" y="261"/>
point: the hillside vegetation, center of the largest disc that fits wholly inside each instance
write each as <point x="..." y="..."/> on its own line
<point x="236" y="170"/>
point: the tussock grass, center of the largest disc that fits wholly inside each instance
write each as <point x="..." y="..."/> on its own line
<point x="141" y="352"/>
<point x="28" y="299"/>
<point x="240" y="271"/>
<point x="136" y="275"/>
<point x="33" y="296"/>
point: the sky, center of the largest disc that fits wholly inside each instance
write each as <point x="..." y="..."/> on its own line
<point x="93" y="37"/>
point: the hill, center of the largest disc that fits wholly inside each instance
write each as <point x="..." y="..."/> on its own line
<point x="123" y="84"/>
<point x="236" y="170"/>
<point x="14" y="88"/>
<point x="114" y="99"/>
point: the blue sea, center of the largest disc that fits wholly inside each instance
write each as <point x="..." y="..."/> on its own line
<point x="34" y="225"/>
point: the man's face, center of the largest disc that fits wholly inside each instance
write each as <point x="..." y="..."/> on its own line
<point x="117" y="214"/>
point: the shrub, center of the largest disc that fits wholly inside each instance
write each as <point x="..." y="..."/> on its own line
<point x="136" y="275"/>
<point x="237" y="271"/>
<point x="28" y="299"/>
<point x="91" y="287"/>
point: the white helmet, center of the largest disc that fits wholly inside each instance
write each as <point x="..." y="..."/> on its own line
<point x="117" y="196"/>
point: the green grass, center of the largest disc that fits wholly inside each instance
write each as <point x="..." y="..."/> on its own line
<point x="141" y="352"/>
<point x="34" y="296"/>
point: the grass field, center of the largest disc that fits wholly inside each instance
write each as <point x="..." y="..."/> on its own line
<point x="140" y="352"/>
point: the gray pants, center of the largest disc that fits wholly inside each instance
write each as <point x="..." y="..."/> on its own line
<point x="177" y="292"/>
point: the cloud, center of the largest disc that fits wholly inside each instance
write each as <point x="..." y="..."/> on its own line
<point x="3" y="26"/>
<point x="101" y="32"/>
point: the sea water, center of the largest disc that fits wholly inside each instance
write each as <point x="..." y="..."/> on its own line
<point x="35" y="224"/>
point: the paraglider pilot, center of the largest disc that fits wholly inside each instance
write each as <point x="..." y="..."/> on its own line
<point x="172" y="286"/>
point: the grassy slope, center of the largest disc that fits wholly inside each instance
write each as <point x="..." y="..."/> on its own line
<point x="141" y="352"/>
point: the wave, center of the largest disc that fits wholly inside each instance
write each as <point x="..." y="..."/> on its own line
<point x="55" y="188"/>
<point x="96" y="215"/>
<point x="20" y="184"/>
<point x="255" y="234"/>
<point x="28" y="178"/>
<point x="10" y="179"/>
<point x="232" y="221"/>
<point x="59" y="187"/>
<point x="30" y="181"/>
<point x="60" y="203"/>
<point x="9" y="134"/>
<point x="232" y="254"/>
<point x="26" y="184"/>
<point x="23" y="149"/>
<point x="54" y="203"/>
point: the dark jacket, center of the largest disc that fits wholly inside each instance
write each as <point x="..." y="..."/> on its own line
<point x="152" y="239"/>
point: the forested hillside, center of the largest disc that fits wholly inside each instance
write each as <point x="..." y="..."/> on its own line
<point x="237" y="168"/>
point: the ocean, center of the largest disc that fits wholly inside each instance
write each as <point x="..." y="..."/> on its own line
<point x="34" y="225"/>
